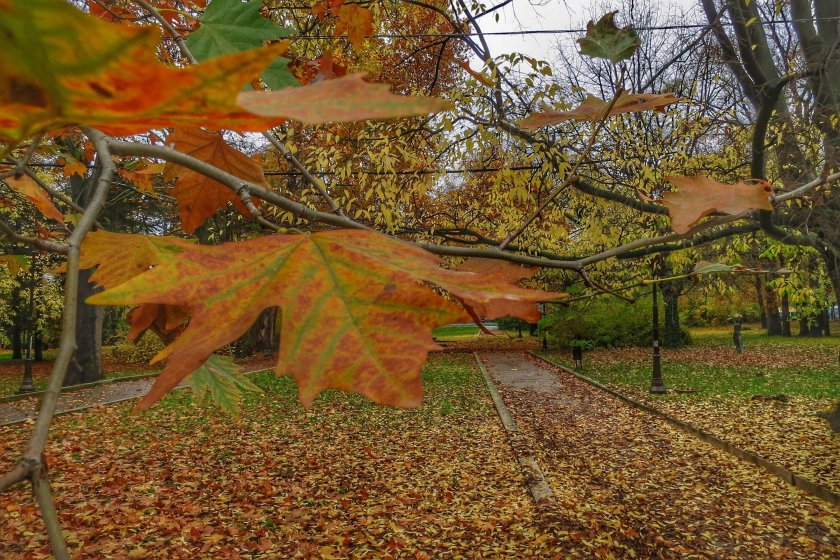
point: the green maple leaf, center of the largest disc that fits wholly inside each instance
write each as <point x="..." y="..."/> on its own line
<point x="606" y="40"/>
<point x="224" y="381"/>
<point x="230" y="26"/>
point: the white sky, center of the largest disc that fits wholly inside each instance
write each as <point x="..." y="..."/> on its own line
<point x="554" y="14"/>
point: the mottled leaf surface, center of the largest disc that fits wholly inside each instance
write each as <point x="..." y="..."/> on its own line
<point x="699" y="196"/>
<point x="120" y="257"/>
<point x="354" y="313"/>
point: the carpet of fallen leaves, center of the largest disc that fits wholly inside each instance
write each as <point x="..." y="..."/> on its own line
<point x="638" y="488"/>
<point x="345" y="479"/>
<point x="786" y="433"/>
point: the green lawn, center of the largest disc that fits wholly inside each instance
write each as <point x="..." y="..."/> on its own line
<point x="805" y="367"/>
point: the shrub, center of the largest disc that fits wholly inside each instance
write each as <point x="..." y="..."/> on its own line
<point x="604" y="322"/>
<point x="135" y="353"/>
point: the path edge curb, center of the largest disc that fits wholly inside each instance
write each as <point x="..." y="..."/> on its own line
<point x="800" y="482"/>
<point x="116" y="401"/>
<point x="78" y="387"/>
<point x="534" y="478"/>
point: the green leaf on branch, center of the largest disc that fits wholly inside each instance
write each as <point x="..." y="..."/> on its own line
<point x="223" y="381"/>
<point x="230" y="26"/>
<point x="606" y="40"/>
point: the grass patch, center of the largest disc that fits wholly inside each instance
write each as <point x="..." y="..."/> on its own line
<point x="454" y="331"/>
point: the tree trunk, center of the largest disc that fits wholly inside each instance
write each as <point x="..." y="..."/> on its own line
<point x="263" y="336"/>
<point x="672" y="335"/>
<point x="86" y="365"/>
<point x="785" y="315"/>
<point x="774" y="319"/>
<point x="804" y="328"/>
<point x="762" y="306"/>
<point x="39" y="348"/>
<point x="833" y="418"/>
<point x="826" y="323"/>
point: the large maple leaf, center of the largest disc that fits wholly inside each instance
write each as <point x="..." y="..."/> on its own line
<point x="355" y="315"/>
<point x="349" y="98"/>
<point x="699" y="196"/>
<point x="108" y="76"/>
<point x="595" y="109"/>
<point x="198" y="196"/>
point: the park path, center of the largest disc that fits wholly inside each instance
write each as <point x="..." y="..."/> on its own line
<point x="24" y="409"/>
<point x="613" y="467"/>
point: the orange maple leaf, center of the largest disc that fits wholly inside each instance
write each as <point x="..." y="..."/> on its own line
<point x="524" y="308"/>
<point x="162" y="319"/>
<point x="356" y="22"/>
<point x="198" y="196"/>
<point x="344" y="99"/>
<point x="594" y="109"/>
<point x="26" y="186"/>
<point x="354" y="313"/>
<point x="699" y="196"/>
<point x="41" y="92"/>
<point x="119" y="257"/>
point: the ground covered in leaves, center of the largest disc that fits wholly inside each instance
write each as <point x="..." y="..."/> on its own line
<point x="641" y="489"/>
<point x="346" y="479"/>
<point x="729" y="398"/>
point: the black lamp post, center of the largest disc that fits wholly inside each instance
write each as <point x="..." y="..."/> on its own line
<point x="657" y="385"/>
<point x="26" y="385"/>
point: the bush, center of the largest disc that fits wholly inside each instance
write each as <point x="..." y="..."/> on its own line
<point x="604" y="322"/>
<point x="514" y="324"/>
<point x="143" y="351"/>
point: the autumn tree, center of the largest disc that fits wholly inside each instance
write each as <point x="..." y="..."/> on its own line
<point x="162" y="91"/>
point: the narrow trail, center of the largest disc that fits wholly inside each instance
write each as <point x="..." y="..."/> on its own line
<point x="640" y="482"/>
<point x="24" y="409"/>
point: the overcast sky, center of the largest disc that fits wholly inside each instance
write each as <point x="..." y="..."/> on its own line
<point x="550" y="15"/>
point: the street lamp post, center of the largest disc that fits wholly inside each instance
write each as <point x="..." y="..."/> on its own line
<point x="657" y="385"/>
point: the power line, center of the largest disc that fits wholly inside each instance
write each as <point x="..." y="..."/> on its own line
<point x="546" y="31"/>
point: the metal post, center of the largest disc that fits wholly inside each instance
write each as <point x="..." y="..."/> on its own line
<point x="657" y="385"/>
<point x="26" y="385"/>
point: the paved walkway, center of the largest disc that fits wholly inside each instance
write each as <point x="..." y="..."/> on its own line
<point x="19" y="411"/>
<point x="665" y="492"/>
